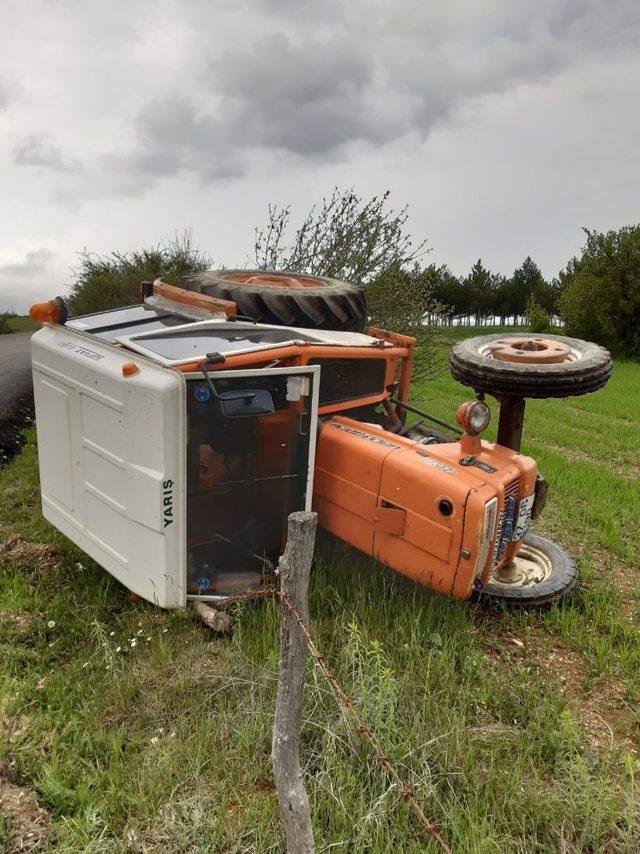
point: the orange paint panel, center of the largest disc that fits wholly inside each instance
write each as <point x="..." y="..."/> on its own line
<point x="413" y="507"/>
<point x="339" y="490"/>
<point x="433" y="538"/>
<point x="192" y="298"/>
<point x="409" y="560"/>
<point x="343" y="523"/>
<point x="390" y="520"/>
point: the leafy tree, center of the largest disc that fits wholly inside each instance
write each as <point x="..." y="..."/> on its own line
<point x="101" y="282"/>
<point x="345" y="237"/>
<point x="600" y="297"/>
<point x="366" y="242"/>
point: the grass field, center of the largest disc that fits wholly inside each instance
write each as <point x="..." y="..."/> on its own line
<point x="123" y="727"/>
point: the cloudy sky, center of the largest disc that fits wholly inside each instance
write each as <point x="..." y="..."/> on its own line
<point x="505" y="125"/>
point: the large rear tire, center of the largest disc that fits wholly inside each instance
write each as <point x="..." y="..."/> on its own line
<point x="541" y="573"/>
<point x="528" y="365"/>
<point x="286" y="299"/>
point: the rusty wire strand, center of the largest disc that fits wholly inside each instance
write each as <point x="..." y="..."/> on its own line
<point x="404" y="790"/>
<point x="245" y="597"/>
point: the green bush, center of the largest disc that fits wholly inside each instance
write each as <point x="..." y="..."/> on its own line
<point x="399" y="300"/>
<point x="600" y="300"/>
<point x="4" y="324"/>
<point x="108" y="281"/>
<point x="538" y="319"/>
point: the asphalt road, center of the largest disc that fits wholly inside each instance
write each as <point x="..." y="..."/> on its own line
<point x="16" y="391"/>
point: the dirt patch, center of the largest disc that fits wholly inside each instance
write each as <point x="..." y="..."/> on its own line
<point x="26" y="822"/>
<point x="602" y="708"/>
<point x="16" y="624"/>
<point x="625" y="578"/>
<point x="606" y="718"/>
<point x="25" y="552"/>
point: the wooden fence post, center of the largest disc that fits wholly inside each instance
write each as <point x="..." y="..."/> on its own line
<point x="294" y="567"/>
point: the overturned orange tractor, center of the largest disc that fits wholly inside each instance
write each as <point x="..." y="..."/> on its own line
<point x="176" y="435"/>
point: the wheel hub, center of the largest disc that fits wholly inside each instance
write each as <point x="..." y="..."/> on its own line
<point x="529" y="567"/>
<point x="272" y="280"/>
<point x="530" y="351"/>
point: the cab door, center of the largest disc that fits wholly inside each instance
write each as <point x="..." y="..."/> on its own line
<point x="251" y="439"/>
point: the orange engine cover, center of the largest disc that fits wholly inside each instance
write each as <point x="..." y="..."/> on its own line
<point x="415" y="508"/>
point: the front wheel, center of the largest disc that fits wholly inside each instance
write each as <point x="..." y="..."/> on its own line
<point x="541" y="573"/>
<point x="527" y="365"/>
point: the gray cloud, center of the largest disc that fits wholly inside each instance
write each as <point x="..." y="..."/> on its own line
<point x="8" y="91"/>
<point x="161" y="115"/>
<point x="38" y="150"/>
<point x="308" y="98"/>
<point x="357" y="79"/>
<point x="35" y="262"/>
<point x="278" y="70"/>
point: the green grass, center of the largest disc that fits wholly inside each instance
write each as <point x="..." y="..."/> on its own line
<point x="18" y="323"/>
<point x="164" y="746"/>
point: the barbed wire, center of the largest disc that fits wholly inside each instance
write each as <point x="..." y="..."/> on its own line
<point x="404" y="789"/>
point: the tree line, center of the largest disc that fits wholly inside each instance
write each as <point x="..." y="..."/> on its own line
<point x="366" y="241"/>
<point x="481" y="294"/>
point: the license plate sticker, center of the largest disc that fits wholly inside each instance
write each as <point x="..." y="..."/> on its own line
<point x="524" y="518"/>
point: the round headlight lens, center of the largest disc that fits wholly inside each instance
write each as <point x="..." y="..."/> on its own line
<point x="479" y="416"/>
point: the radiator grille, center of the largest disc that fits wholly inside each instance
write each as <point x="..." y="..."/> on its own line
<point x="506" y="521"/>
<point x="488" y="535"/>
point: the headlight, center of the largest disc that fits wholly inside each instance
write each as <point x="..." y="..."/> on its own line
<point x="474" y="416"/>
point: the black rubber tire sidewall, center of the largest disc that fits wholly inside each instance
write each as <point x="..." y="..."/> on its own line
<point x="333" y="304"/>
<point x="563" y="581"/>
<point x="510" y="379"/>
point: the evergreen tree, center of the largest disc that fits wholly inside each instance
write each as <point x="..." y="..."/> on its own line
<point x="527" y="283"/>
<point x="480" y="289"/>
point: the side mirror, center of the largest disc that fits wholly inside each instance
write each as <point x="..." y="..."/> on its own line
<point x="248" y="403"/>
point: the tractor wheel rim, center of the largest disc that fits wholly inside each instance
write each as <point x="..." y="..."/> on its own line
<point x="529" y="568"/>
<point x="272" y="280"/>
<point x="529" y="351"/>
